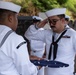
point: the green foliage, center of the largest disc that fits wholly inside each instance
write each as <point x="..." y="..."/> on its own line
<point x="61" y="2"/>
<point x="44" y="5"/>
<point x="71" y="5"/>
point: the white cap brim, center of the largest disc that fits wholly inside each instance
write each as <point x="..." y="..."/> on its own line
<point x="56" y="11"/>
<point x="37" y="18"/>
<point x="66" y="16"/>
<point x="10" y="6"/>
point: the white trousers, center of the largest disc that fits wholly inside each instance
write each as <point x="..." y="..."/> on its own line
<point x="41" y="71"/>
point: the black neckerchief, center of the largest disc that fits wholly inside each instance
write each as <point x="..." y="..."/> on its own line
<point x="55" y="44"/>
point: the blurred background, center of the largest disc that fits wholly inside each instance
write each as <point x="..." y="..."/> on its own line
<point x="32" y="8"/>
<point x="38" y="7"/>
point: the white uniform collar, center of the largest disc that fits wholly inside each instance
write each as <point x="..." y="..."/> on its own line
<point x="2" y="27"/>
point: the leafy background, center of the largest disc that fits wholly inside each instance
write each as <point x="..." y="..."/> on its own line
<point x="33" y="7"/>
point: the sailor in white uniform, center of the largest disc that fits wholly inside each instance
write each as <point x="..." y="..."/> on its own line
<point x="67" y="19"/>
<point x="14" y="58"/>
<point x="37" y="47"/>
<point x="62" y="50"/>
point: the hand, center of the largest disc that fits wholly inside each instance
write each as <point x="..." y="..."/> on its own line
<point x="42" y="23"/>
<point x="32" y="57"/>
<point x="39" y="67"/>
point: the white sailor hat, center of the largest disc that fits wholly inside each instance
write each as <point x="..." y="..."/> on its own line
<point x="56" y="11"/>
<point x="66" y="16"/>
<point x="10" y="6"/>
<point x="37" y="18"/>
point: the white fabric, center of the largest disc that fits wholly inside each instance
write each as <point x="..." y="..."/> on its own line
<point x="14" y="61"/>
<point x="10" y="6"/>
<point x="37" y="48"/>
<point x="37" y="45"/>
<point x="41" y="71"/>
<point x="66" y="48"/>
<point x="56" y="11"/>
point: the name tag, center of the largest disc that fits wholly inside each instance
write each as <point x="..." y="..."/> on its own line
<point x="66" y="36"/>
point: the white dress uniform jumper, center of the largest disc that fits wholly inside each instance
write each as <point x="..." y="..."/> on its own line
<point x="14" y="57"/>
<point x="65" y="52"/>
<point x="14" y="50"/>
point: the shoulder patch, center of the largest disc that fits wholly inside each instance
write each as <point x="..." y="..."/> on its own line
<point x="21" y="44"/>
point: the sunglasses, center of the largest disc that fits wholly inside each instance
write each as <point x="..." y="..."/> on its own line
<point x="53" y="21"/>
